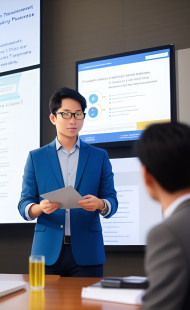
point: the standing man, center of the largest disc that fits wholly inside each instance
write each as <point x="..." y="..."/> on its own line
<point x="70" y="240"/>
<point x="164" y="151"/>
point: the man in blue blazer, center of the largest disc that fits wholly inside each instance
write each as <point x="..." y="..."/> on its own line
<point x="71" y="240"/>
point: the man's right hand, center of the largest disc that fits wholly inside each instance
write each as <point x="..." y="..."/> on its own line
<point x="45" y="206"/>
<point x="49" y="207"/>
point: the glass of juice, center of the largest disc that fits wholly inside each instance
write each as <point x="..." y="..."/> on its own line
<point x="37" y="271"/>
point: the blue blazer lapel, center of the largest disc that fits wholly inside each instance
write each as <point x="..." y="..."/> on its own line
<point x="54" y="163"/>
<point x="83" y="158"/>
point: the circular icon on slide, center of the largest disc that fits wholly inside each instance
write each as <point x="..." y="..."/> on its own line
<point x="93" y="98"/>
<point x="93" y="112"/>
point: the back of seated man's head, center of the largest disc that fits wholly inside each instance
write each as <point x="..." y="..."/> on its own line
<point x="164" y="149"/>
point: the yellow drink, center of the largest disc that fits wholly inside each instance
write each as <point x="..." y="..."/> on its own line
<point x="37" y="272"/>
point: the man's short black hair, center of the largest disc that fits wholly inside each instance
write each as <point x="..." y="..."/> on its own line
<point x="56" y="99"/>
<point x="164" y="149"/>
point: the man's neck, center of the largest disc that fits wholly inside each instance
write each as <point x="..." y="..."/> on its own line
<point x="67" y="142"/>
<point x="166" y="198"/>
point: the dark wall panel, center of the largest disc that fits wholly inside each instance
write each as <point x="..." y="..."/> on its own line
<point x="154" y="23"/>
<point x="75" y="30"/>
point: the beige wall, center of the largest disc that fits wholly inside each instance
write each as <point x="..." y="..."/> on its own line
<point x="73" y="30"/>
<point x="183" y="80"/>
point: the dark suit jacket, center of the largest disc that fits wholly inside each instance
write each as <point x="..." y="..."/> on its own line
<point x="168" y="263"/>
<point x="94" y="176"/>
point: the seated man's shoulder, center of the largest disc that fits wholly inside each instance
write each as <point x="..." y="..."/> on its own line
<point x="173" y="230"/>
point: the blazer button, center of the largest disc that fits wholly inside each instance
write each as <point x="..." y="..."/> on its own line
<point x="61" y="226"/>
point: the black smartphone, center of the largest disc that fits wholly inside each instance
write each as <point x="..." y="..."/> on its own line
<point x="125" y="282"/>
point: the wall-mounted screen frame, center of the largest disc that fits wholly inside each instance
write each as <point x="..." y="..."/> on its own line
<point x="125" y="93"/>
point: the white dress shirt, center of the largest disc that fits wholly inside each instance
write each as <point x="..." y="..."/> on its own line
<point x="171" y="208"/>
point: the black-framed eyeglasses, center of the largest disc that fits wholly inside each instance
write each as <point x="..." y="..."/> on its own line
<point x="68" y="115"/>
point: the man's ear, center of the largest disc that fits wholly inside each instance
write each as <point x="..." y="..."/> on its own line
<point x="146" y="176"/>
<point x="150" y="183"/>
<point x="52" y="118"/>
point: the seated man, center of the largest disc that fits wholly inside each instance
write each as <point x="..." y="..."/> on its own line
<point x="164" y="151"/>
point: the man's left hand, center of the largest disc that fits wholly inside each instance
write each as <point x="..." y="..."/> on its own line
<point x="91" y="203"/>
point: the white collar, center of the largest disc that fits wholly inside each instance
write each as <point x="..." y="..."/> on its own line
<point x="172" y="207"/>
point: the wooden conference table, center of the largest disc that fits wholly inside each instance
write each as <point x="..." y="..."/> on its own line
<point x="59" y="293"/>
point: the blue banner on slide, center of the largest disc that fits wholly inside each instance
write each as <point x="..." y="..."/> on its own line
<point x="112" y="137"/>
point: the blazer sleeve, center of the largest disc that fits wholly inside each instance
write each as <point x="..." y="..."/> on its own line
<point x="166" y="268"/>
<point x="29" y="192"/>
<point x="106" y="186"/>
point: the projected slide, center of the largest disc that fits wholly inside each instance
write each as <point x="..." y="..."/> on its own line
<point x="20" y="34"/>
<point x="124" y="94"/>
<point x="19" y="128"/>
<point x="137" y="212"/>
